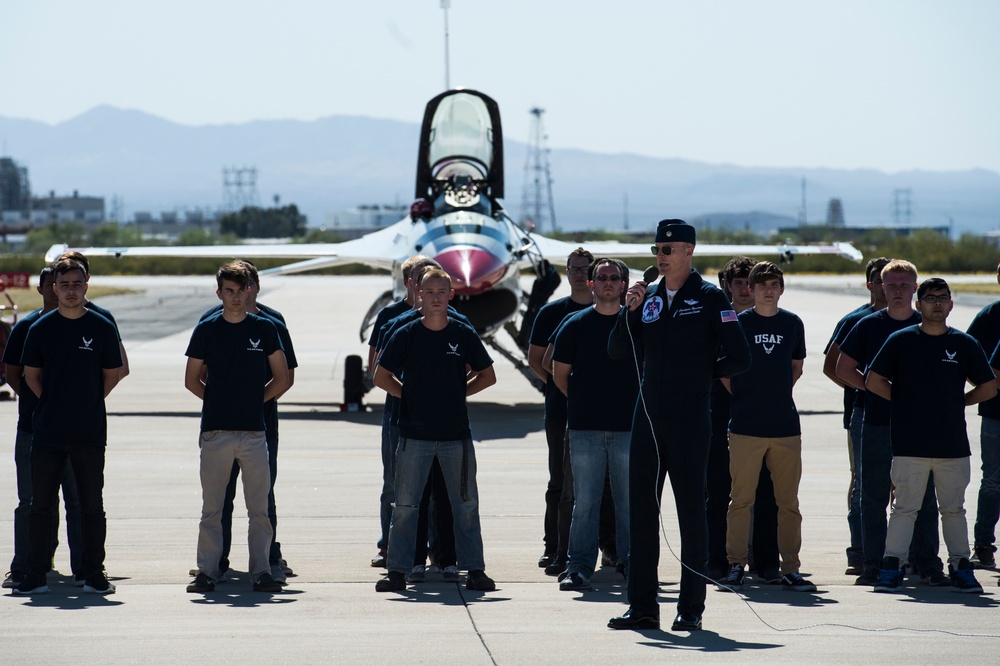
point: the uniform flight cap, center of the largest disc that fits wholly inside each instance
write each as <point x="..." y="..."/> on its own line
<point x="674" y="231"/>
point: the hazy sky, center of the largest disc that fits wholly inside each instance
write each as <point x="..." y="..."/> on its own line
<point x="886" y="84"/>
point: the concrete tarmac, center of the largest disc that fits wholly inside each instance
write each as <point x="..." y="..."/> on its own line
<point x="327" y="496"/>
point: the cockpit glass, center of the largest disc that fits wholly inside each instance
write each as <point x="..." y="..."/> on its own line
<point x="461" y="127"/>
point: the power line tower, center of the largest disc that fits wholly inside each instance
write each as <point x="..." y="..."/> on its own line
<point x="239" y="188"/>
<point x="901" y="208"/>
<point x="536" y="201"/>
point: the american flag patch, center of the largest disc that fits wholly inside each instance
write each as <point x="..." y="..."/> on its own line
<point x="728" y="315"/>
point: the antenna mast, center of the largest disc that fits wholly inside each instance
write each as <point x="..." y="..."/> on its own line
<point x="536" y="202"/>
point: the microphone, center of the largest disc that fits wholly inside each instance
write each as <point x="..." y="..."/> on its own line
<point x="648" y="276"/>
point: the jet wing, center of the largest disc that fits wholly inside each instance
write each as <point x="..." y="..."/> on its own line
<point x="557" y="251"/>
<point x="379" y="249"/>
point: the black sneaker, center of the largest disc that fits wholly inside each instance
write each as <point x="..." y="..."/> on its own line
<point x="265" y="583"/>
<point x="734" y="579"/>
<point x="574" y="581"/>
<point x="79" y="580"/>
<point x="869" y="578"/>
<point x="98" y="584"/>
<point x="394" y="581"/>
<point x="984" y="558"/>
<point x="963" y="578"/>
<point x="478" y="580"/>
<point x="796" y="583"/>
<point x="935" y="578"/>
<point x="201" y="584"/>
<point x="31" y="585"/>
<point x="13" y="579"/>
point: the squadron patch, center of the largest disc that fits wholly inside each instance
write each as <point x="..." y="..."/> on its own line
<point x="651" y="310"/>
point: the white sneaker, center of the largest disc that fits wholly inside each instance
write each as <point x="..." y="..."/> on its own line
<point x="278" y="574"/>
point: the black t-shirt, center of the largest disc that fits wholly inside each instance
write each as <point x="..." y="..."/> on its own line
<point x="862" y="344"/>
<point x="602" y="390"/>
<point x="985" y="328"/>
<point x="104" y="312"/>
<point x="762" y="404"/>
<point x="432" y="367"/>
<point x="73" y="354"/>
<point x="840" y="332"/>
<point x="237" y="359"/>
<point x="928" y="375"/>
<point x="26" y="399"/>
<point x="384" y="315"/>
<point x="546" y="323"/>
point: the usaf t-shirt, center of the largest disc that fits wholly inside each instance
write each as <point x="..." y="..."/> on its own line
<point x="237" y="359"/>
<point x="73" y="354"/>
<point x="844" y="326"/>
<point x="928" y="375"/>
<point x="432" y="367"/>
<point x="546" y="323"/>
<point x="862" y="344"/>
<point x="985" y="328"/>
<point x="26" y="399"/>
<point x="602" y="390"/>
<point x="762" y="404"/>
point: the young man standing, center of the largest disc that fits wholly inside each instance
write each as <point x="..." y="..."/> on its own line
<point x="922" y="371"/>
<point x="426" y="365"/>
<point x="237" y="349"/>
<point x="874" y="455"/>
<point x="764" y="427"/>
<point x="601" y="395"/>
<point x="71" y="362"/>
<point x="854" y="407"/>
<point x="559" y="491"/>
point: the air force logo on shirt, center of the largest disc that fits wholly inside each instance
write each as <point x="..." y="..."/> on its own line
<point x="949" y="356"/>
<point x="254" y="345"/>
<point x="86" y="344"/>
<point x="768" y="341"/>
<point x="452" y="350"/>
<point x="651" y="310"/>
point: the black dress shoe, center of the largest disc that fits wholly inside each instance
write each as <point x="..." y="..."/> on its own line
<point x="557" y="566"/>
<point x="546" y="559"/>
<point x="634" y="621"/>
<point x="686" y="622"/>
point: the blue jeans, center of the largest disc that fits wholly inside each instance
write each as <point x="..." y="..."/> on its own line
<point x="988" y="509"/>
<point x="413" y="466"/>
<point x="390" y="439"/>
<point x="875" y="472"/>
<point x="592" y="454"/>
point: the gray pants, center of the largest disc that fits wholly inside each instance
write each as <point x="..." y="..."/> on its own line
<point x="219" y="449"/>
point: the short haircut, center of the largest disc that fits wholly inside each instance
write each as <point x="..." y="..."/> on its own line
<point x="433" y="274"/>
<point x="77" y="257"/>
<point x="618" y="263"/>
<point x="875" y="267"/>
<point x="737" y="267"/>
<point x="900" y="266"/>
<point x="251" y="272"/>
<point x="579" y="252"/>
<point x="47" y="271"/>
<point x="234" y="271"/>
<point x="763" y="271"/>
<point x="65" y="265"/>
<point x="421" y="268"/>
<point x="722" y="278"/>
<point x="932" y="284"/>
<point x="998" y="269"/>
<point x="408" y="265"/>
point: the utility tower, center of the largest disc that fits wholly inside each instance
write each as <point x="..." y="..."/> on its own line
<point x="536" y="202"/>
<point x="803" y="219"/>
<point x="239" y="188"/>
<point x="901" y="209"/>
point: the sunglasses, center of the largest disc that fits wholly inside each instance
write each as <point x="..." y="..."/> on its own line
<point x="665" y="250"/>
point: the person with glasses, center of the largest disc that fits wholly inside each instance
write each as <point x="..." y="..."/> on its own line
<point x="764" y="427"/>
<point x="685" y="333"/>
<point x="601" y="394"/>
<point x="922" y="371"/>
<point x="854" y="406"/>
<point x="874" y="454"/>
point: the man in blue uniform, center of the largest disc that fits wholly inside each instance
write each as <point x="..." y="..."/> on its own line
<point x="680" y="330"/>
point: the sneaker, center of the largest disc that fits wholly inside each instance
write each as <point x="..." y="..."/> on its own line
<point x="201" y="584"/>
<point x="935" y="578"/>
<point x="450" y="573"/>
<point x="13" y="579"/>
<point x="770" y="577"/>
<point x="379" y="560"/>
<point x="984" y="557"/>
<point x="31" y="585"/>
<point x="265" y="583"/>
<point x="889" y="580"/>
<point x="854" y="570"/>
<point x="224" y="574"/>
<point x="869" y="577"/>
<point x="796" y="583"/>
<point x="478" y="580"/>
<point x="963" y="579"/>
<point x="417" y="574"/>
<point x="734" y="579"/>
<point x="98" y="584"/>
<point x="394" y="581"/>
<point x="287" y="569"/>
<point x="278" y="574"/>
<point x="574" y="581"/>
<point x="79" y="580"/>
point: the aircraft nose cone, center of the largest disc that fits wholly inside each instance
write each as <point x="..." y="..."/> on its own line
<point x="472" y="271"/>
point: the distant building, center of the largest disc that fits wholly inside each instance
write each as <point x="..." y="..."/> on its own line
<point x="67" y="209"/>
<point x="835" y="214"/>
<point x="364" y="219"/>
<point x="15" y="192"/>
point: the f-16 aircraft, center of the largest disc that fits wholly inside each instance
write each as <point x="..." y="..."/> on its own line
<point x="458" y="220"/>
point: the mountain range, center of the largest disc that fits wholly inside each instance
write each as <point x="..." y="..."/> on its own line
<point x="335" y="163"/>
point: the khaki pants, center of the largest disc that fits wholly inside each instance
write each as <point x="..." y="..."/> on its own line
<point x="783" y="456"/>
